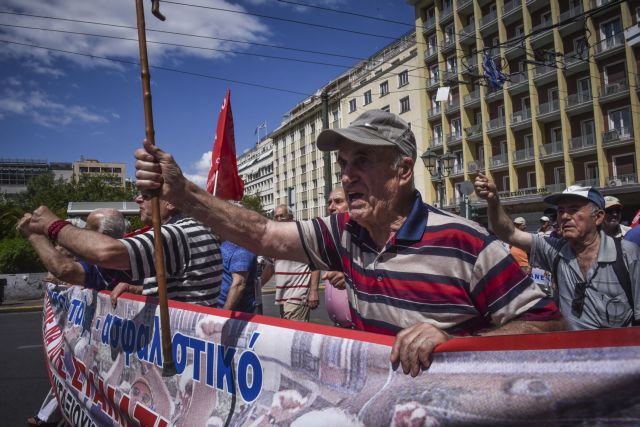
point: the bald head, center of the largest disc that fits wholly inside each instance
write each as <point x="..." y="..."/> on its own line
<point x="107" y="221"/>
<point x="282" y="214"/>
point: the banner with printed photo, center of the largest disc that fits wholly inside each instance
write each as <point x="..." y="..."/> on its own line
<point x="250" y="370"/>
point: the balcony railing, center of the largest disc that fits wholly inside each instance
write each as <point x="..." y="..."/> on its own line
<point x="488" y="19"/>
<point x="617" y="180"/>
<point x="498" y="161"/>
<point x="555" y="188"/>
<point x="518" y="78"/>
<point x="468" y="31"/>
<point x="453" y="105"/>
<point x="429" y="23"/>
<point x="549" y="107"/>
<point x="520" y="116"/>
<point x="432" y="81"/>
<point x="430" y="51"/>
<point x="614" y="88"/>
<point x="610" y="43"/>
<point x="475" y="166"/>
<point x="551" y="148"/>
<point x="583" y="142"/>
<point x="448" y="42"/>
<point x="496" y="123"/>
<point x="450" y="74"/>
<point x="457" y="169"/>
<point x="434" y="111"/>
<point x="588" y="182"/>
<point x="576" y="99"/>
<point x="436" y="142"/>
<point x="472" y="96"/>
<point x="474" y="130"/>
<point x="540" y="30"/>
<point x="510" y="6"/>
<point x="523" y="154"/>
<point x="615" y="135"/>
<point x="454" y="137"/>
<point x="574" y="11"/>
<point x="446" y="12"/>
<point x="572" y="58"/>
<point x="543" y="70"/>
<point x="463" y="3"/>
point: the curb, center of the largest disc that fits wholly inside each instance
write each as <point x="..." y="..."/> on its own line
<point x="21" y="309"/>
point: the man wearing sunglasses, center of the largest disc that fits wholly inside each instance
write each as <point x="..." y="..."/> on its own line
<point x="598" y="277"/>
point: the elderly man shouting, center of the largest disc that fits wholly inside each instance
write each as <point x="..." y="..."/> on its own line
<point x="414" y="271"/>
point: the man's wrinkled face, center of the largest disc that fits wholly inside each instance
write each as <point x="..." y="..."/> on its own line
<point x="612" y="217"/>
<point x="370" y="182"/>
<point x="146" y="211"/>
<point x="337" y="202"/>
<point x="281" y="215"/>
<point x="576" y="218"/>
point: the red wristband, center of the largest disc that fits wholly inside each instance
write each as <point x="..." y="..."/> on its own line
<point x="55" y="227"/>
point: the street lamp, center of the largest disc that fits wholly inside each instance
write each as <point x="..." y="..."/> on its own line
<point x="438" y="167"/>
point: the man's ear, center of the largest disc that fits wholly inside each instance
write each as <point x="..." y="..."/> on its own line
<point x="405" y="170"/>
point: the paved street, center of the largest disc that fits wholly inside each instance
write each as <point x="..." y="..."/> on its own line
<point x="23" y="377"/>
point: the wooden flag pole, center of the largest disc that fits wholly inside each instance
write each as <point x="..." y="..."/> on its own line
<point x="168" y="365"/>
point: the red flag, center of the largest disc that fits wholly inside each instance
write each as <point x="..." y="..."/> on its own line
<point x="224" y="181"/>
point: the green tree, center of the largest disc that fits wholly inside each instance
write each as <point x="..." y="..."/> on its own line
<point x="253" y="202"/>
<point x="10" y="213"/>
<point x="17" y="256"/>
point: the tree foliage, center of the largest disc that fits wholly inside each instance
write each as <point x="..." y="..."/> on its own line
<point x="253" y="202"/>
<point x="17" y="256"/>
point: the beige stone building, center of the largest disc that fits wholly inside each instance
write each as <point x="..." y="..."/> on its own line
<point x="569" y="112"/>
<point x="114" y="173"/>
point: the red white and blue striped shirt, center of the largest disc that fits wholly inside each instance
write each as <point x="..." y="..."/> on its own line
<point x="438" y="268"/>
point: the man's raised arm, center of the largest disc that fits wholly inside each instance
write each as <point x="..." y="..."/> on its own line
<point x="156" y="170"/>
<point x="499" y="221"/>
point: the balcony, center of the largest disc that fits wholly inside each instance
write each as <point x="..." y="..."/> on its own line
<point x="499" y="161"/>
<point x="454" y="138"/>
<point x="524" y="155"/>
<point x="575" y="62"/>
<point x="553" y="149"/>
<point x="588" y="182"/>
<point x="573" y="25"/>
<point x="430" y="52"/>
<point x="619" y="180"/>
<point x="448" y="43"/>
<point x="434" y="112"/>
<point x="509" y="11"/>
<point x="609" y="46"/>
<point x="518" y="83"/>
<point x="515" y="48"/>
<point x="472" y="98"/>
<point x="544" y="74"/>
<point x="429" y="24"/>
<point x="614" y="91"/>
<point x="493" y="94"/>
<point x="555" y="188"/>
<point x="488" y="20"/>
<point x="470" y="65"/>
<point x="520" y="119"/>
<point x="468" y="34"/>
<point x="453" y="105"/>
<point x="464" y="4"/>
<point x="541" y="33"/>
<point x="436" y="142"/>
<point x="547" y="111"/>
<point x="446" y="13"/>
<point x="456" y="170"/>
<point x="432" y="82"/>
<point x="616" y="137"/>
<point x="496" y="124"/>
<point x="450" y="75"/>
<point x="579" y="102"/>
<point x="475" y="166"/>
<point x="582" y="144"/>
<point x="474" y="133"/>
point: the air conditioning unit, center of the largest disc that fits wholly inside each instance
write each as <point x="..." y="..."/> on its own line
<point x="611" y="89"/>
<point x="610" y="136"/>
<point x="516" y="118"/>
<point x="614" y="183"/>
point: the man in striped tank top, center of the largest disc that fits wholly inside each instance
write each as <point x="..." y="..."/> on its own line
<point x="413" y="271"/>
<point x="193" y="262"/>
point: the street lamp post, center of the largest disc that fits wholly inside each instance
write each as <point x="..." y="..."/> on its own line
<point x="438" y="167"/>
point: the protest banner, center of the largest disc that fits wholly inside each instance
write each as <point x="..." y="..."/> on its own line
<point x="249" y="370"/>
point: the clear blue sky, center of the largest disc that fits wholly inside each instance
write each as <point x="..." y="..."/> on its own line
<point x="58" y="107"/>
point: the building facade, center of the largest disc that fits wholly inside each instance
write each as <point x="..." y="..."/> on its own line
<point x="14" y="173"/>
<point x="568" y="112"/>
<point x="387" y="80"/>
<point x="255" y="167"/>
<point x="114" y="173"/>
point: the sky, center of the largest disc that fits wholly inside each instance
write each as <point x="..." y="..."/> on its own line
<point x="61" y="106"/>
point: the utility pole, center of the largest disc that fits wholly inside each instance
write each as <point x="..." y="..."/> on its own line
<point x="326" y="155"/>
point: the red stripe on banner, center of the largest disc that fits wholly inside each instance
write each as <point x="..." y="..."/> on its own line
<point x="619" y="337"/>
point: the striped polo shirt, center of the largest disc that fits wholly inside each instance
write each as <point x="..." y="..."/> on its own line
<point x="192" y="259"/>
<point x="438" y="268"/>
<point x="292" y="282"/>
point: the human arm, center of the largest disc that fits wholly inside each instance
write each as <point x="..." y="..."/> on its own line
<point x="313" y="299"/>
<point x="238" y="283"/>
<point x="121" y="288"/>
<point x="267" y="273"/>
<point x="90" y="246"/>
<point x="158" y="170"/>
<point x="499" y="222"/>
<point x="335" y="278"/>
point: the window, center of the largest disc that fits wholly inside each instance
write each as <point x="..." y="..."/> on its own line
<point x="531" y="179"/>
<point x="405" y="105"/>
<point x="384" y="88"/>
<point x="591" y="172"/>
<point x="386" y="108"/>
<point x="620" y="120"/>
<point x="449" y="34"/>
<point x="556" y="135"/>
<point x="456" y="127"/>
<point x="352" y="105"/>
<point x="434" y="72"/>
<point x="624" y="166"/>
<point x="367" y="97"/>
<point x="558" y="175"/>
<point x="403" y="78"/>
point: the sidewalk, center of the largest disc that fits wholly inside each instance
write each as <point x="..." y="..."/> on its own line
<point x="21" y="306"/>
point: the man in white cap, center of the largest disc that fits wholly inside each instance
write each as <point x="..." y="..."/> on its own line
<point x="545" y="229"/>
<point x="598" y="277"/>
<point x="612" y="218"/>
<point x="413" y="271"/>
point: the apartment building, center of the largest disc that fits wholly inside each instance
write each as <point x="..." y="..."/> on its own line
<point x="568" y="112"/>
<point x="114" y="173"/>
<point x="14" y="173"/>
<point x="255" y="167"/>
<point x="387" y="80"/>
